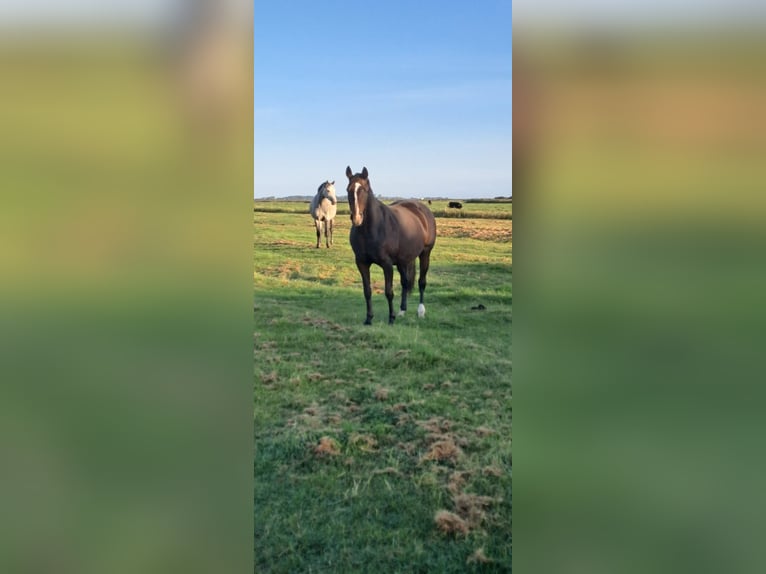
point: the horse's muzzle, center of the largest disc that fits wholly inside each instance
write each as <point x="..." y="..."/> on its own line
<point x="356" y="220"/>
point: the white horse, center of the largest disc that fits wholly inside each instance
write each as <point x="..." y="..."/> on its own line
<point x="323" y="209"/>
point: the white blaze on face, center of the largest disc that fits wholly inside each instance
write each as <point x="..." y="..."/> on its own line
<point x="356" y="217"/>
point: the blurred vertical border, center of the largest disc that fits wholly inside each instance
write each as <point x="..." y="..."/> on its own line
<point x="639" y="174"/>
<point x="126" y="172"/>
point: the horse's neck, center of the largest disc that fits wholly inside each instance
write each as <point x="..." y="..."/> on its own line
<point x="374" y="211"/>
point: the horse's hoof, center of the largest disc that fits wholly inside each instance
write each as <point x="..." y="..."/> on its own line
<point x="391" y="320"/>
<point x="402" y="312"/>
<point x="368" y="321"/>
<point x="421" y="310"/>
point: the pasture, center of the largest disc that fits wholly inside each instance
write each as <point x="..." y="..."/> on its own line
<point x="382" y="448"/>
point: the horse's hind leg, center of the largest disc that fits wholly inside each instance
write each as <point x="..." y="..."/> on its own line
<point x="329" y="223"/>
<point x="326" y="238"/>
<point x="425" y="261"/>
<point x="407" y="275"/>
<point x="319" y="232"/>
<point x="388" y="274"/>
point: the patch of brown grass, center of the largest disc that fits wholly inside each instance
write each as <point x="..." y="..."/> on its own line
<point x="495" y="230"/>
<point x="269" y="378"/>
<point x="450" y="523"/>
<point x="484" y="431"/>
<point x="478" y="557"/>
<point x="443" y="451"/>
<point x="381" y="394"/>
<point x="492" y="471"/>
<point x="472" y="508"/>
<point x="457" y="481"/>
<point x="327" y="447"/>
<point x="436" y="425"/>
<point x="366" y="442"/>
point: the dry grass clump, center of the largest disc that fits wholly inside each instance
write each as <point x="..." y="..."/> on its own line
<point x="267" y="378"/>
<point x="367" y="443"/>
<point x="492" y="471"/>
<point x="457" y="481"/>
<point x="381" y="394"/>
<point x="443" y="450"/>
<point x="327" y="447"/>
<point x="478" y="557"/>
<point x="450" y="523"/>
<point x="472" y="508"/>
<point x="436" y="425"/>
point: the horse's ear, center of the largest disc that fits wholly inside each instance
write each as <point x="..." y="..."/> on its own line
<point x="349" y="173"/>
<point x="332" y="182"/>
<point x="364" y="173"/>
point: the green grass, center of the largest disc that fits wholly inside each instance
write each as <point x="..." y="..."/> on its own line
<point x="472" y="208"/>
<point x="381" y="397"/>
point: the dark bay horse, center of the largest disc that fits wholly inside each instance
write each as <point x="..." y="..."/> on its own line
<point x="389" y="235"/>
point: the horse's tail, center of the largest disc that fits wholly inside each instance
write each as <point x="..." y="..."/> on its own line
<point x="410" y="276"/>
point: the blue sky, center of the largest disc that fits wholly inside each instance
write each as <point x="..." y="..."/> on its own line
<point x="419" y="92"/>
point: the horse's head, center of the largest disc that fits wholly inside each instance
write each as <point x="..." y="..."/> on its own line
<point x="327" y="191"/>
<point x="359" y="192"/>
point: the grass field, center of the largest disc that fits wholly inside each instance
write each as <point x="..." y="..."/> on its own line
<point x="382" y="448"/>
<point x="472" y="208"/>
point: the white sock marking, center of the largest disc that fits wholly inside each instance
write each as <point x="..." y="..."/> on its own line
<point x="401" y="313"/>
<point x="421" y="310"/>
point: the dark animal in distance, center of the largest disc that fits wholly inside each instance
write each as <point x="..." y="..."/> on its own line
<point x="389" y="235"/>
<point x="455" y="205"/>
<point x="323" y="209"/>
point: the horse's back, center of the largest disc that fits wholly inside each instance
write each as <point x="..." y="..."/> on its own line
<point x="416" y="218"/>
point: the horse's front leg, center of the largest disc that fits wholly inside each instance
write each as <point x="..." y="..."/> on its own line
<point x="364" y="271"/>
<point x="388" y="273"/>
<point x="329" y="226"/>
<point x="319" y="230"/>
